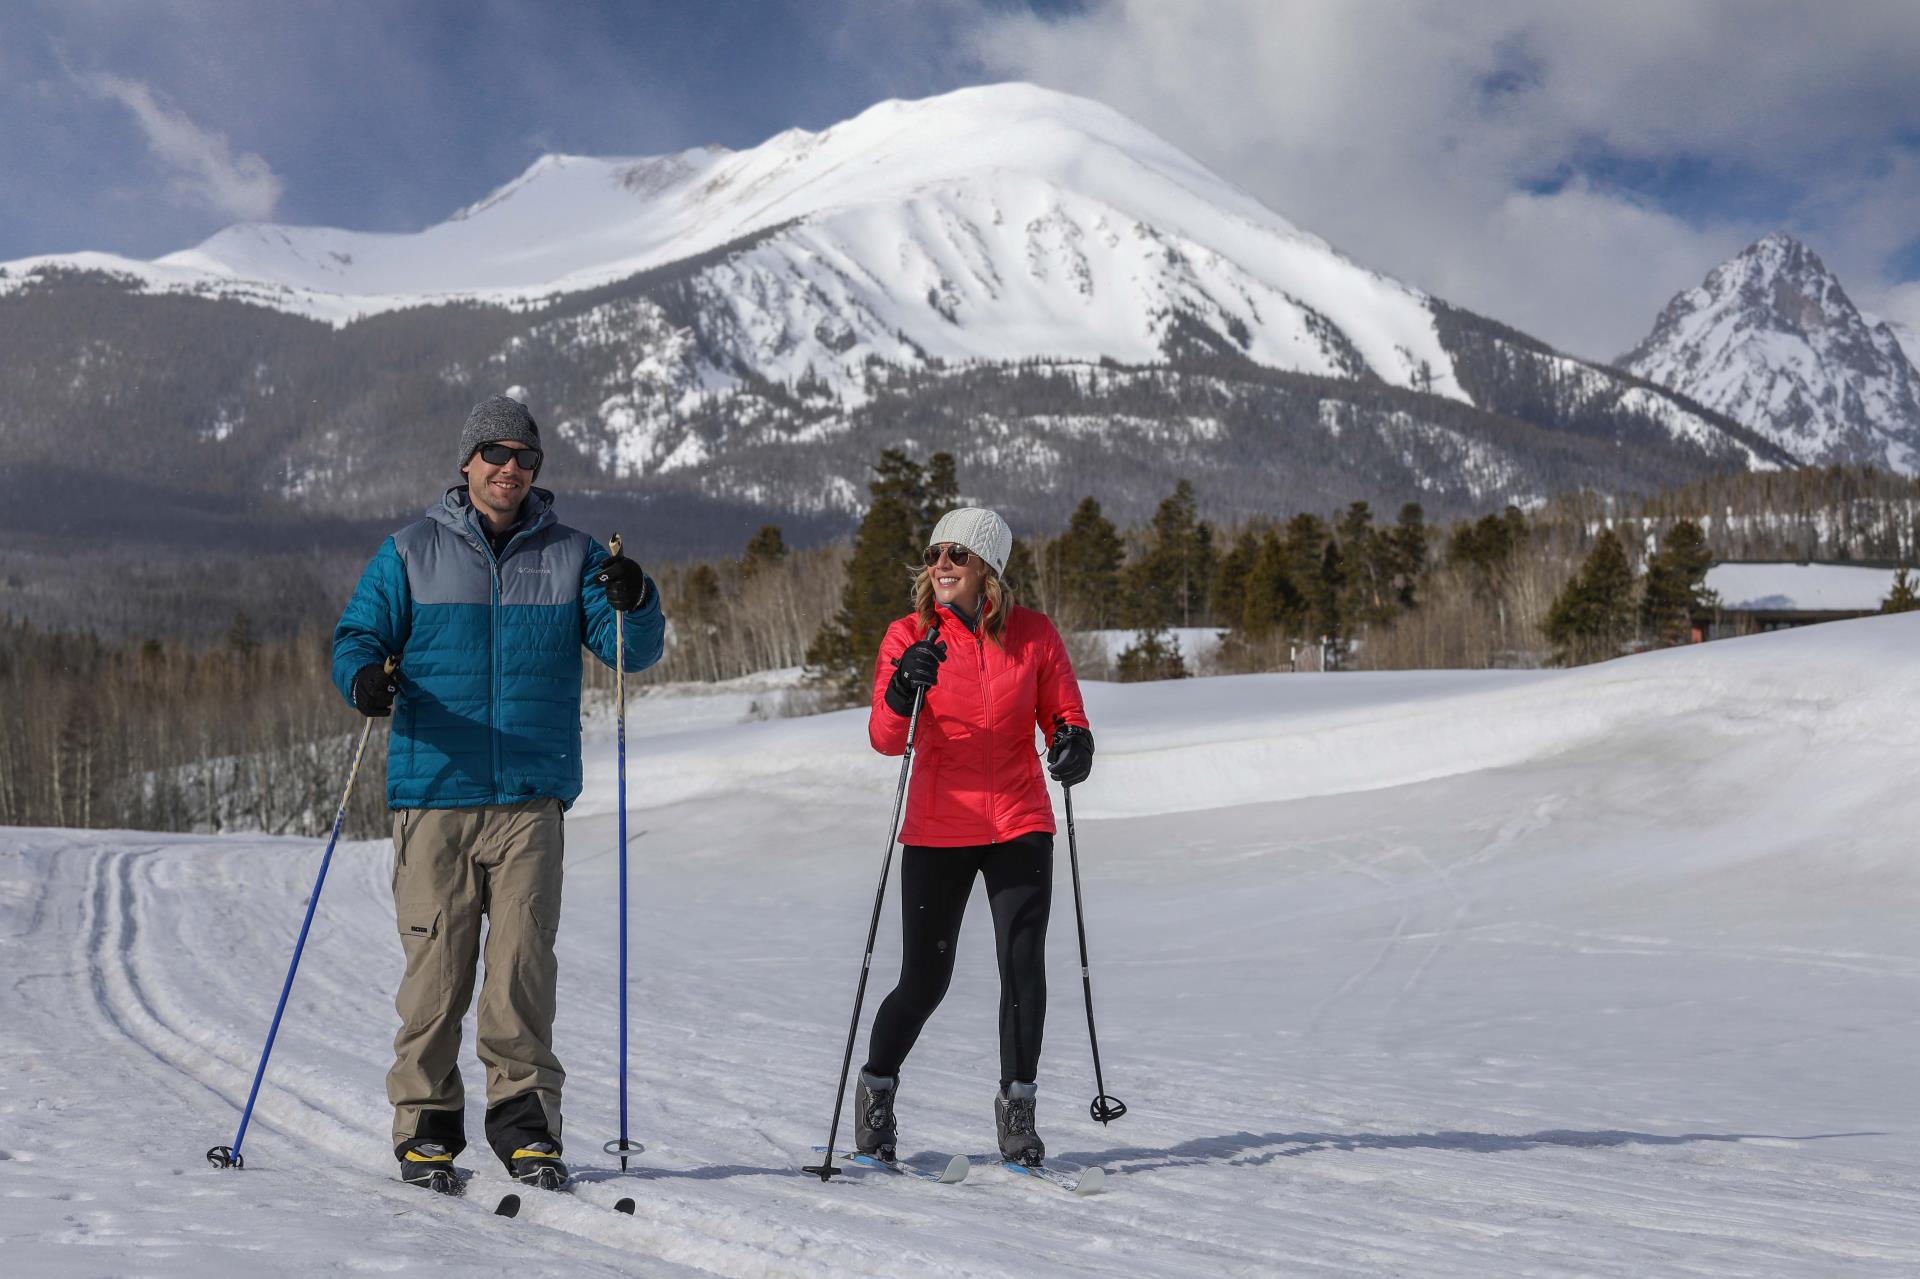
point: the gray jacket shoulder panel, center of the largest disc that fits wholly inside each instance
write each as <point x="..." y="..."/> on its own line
<point x="443" y="565"/>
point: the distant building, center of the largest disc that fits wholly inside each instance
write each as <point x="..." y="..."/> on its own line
<point x="1772" y="596"/>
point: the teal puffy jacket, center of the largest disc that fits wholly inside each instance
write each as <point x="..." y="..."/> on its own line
<point x="489" y="649"/>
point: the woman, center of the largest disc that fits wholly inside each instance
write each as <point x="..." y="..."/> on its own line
<point x="990" y="672"/>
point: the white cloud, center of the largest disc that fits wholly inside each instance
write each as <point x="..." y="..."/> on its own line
<point x="203" y="168"/>
<point x="1445" y="143"/>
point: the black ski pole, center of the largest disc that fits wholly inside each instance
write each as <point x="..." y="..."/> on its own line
<point x="1104" y="1108"/>
<point x="229" y="1156"/>
<point x="825" y="1169"/>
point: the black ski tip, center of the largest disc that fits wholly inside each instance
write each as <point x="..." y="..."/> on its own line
<point x="509" y="1206"/>
<point x="625" y="1205"/>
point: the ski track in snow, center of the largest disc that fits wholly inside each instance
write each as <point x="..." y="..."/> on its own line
<point x="1611" y="972"/>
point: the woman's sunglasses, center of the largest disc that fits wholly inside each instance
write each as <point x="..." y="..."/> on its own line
<point x="956" y="555"/>
<point x="501" y="454"/>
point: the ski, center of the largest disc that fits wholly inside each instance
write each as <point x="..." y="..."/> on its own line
<point x="510" y="1206"/>
<point x="954" y="1173"/>
<point x="1083" y="1181"/>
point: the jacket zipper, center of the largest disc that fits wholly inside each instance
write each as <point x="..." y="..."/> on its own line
<point x="986" y="719"/>
<point x="493" y="653"/>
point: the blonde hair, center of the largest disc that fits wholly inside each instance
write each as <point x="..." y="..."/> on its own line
<point x="996" y="602"/>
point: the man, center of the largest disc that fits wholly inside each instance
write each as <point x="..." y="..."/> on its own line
<point x="486" y="602"/>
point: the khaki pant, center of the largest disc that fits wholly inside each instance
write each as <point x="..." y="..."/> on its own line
<point x="450" y="867"/>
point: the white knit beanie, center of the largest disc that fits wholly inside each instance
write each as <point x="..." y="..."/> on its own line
<point x="980" y="531"/>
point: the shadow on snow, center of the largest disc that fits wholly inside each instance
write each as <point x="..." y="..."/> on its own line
<point x="1247" y="1149"/>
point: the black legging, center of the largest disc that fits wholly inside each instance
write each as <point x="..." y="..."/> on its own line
<point x="934" y="886"/>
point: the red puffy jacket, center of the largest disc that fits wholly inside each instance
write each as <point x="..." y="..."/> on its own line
<point x="976" y="769"/>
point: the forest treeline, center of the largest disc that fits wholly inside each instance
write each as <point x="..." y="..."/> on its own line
<point x="123" y="721"/>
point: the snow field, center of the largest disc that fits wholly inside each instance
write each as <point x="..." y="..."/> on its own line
<point x="1610" y="971"/>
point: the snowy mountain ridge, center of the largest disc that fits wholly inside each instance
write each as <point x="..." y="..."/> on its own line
<point x="995" y="223"/>
<point x="1025" y="279"/>
<point x="1771" y="340"/>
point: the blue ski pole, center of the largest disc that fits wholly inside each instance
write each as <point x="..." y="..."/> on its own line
<point x="229" y="1156"/>
<point x="621" y="1147"/>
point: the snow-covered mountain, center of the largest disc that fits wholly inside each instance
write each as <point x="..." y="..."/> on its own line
<point x="998" y="223"/>
<point x="1771" y="340"/>
<point x="1026" y="279"/>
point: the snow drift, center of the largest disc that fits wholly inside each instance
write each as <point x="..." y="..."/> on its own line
<point x="1602" y="972"/>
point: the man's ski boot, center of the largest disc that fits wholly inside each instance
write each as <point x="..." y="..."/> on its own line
<point x="1013" y="1121"/>
<point x="429" y="1164"/>
<point x="538" y="1164"/>
<point x="873" y="1131"/>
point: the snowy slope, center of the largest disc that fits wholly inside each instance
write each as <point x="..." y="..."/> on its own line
<point x="1771" y="340"/>
<point x="1608" y="972"/>
<point x="997" y="223"/>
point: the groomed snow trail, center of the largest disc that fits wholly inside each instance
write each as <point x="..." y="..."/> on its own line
<point x="1605" y="972"/>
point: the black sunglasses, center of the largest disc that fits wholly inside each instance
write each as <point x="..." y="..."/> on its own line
<point x="956" y="555"/>
<point x="501" y="454"/>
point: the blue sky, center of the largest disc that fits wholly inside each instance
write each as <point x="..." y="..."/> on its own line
<point x="1563" y="168"/>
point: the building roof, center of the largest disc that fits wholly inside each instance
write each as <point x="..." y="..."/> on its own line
<point x="1799" y="588"/>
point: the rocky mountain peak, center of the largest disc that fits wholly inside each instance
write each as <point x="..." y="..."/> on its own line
<point x="1771" y="339"/>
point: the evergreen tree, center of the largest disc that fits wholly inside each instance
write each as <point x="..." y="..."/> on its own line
<point x="1304" y="544"/>
<point x="699" y="600"/>
<point x="1368" y="560"/>
<point x="1021" y="572"/>
<point x="1153" y="655"/>
<point x="942" y="491"/>
<point x="1274" y="603"/>
<point x="1902" y="598"/>
<point x="886" y="553"/>
<point x="1084" y="565"/>
<point x="765" y="549"/>
<point x="241" y="640"/>
<point x="1325" y="615"/>
<point x="1675" y="575"/>
<point x="1486" y="547"/>
<point x="898" y="478"/>
<point x="1230" y="580"/>
<point x="1407" y="548"/>
<point x="1168" y="587"/>
<point x="1594" y="615"/>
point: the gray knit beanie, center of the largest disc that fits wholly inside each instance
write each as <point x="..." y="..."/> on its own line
<point x="498" y="418"/>
<point x="979" y="530"/>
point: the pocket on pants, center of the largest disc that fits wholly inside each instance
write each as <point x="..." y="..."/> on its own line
<point x="419" y="925"/>
<point x="545" y="915"/>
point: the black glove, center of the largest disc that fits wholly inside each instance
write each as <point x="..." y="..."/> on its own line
<point x="373" y="690"/>
<point x="918" y="667"/>
<point x="626" y="584"/>
<point x="1070" y="754"/>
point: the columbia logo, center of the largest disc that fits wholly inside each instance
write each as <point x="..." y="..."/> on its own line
<point x="525" y="568"/>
